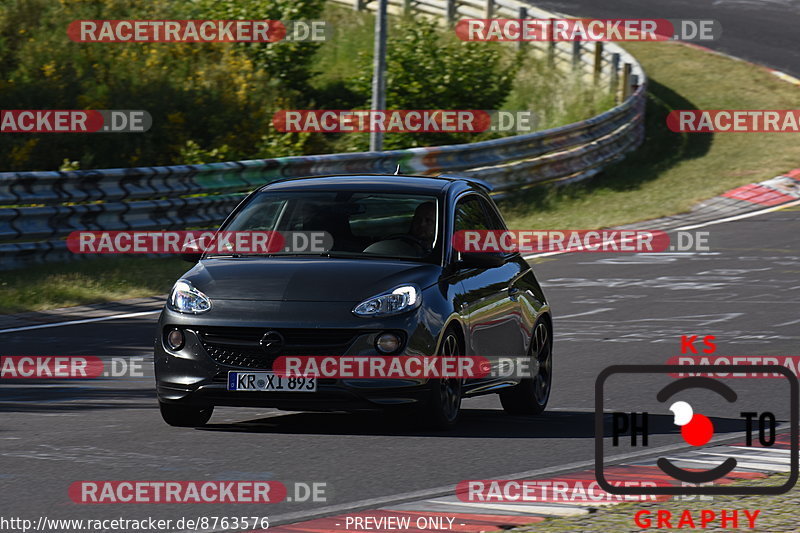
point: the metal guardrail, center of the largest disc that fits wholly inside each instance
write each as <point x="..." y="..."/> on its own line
<point x="40" y="208"/>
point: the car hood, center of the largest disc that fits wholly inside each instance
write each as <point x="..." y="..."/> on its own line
<point x="314" y="279"/>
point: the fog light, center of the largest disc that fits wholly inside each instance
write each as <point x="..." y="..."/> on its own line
<point x="387" y="343"/>
<point x="175" y="339"/>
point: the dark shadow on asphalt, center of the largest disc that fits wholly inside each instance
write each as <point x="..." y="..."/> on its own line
<point x="75" y="398"/>
<point x="475" y="423"/>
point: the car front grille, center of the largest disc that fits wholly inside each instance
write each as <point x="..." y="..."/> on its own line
<point x="240" y="347"/>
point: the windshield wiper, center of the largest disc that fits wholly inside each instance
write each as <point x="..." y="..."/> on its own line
<point x="215" y="256"/>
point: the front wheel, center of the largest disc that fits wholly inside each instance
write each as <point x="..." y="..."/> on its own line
<point x="530" y="396"/>
<point x="444" y="405"/>
<point x="185" y="416"/>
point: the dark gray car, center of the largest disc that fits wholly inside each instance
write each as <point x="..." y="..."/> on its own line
<point x="391" y="284"/>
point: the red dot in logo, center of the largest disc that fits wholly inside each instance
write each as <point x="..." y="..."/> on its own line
<point x="698" y="431"/>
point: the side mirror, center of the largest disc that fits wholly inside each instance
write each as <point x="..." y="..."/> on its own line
<point x="191" y="252"/>
<point x="481" y="259"/>
<point x="191" y="258"/>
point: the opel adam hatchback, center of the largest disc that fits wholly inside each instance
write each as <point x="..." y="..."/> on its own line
<point x="390" y="284"/>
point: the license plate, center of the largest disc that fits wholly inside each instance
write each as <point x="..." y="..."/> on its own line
<point x="269" y="382"/>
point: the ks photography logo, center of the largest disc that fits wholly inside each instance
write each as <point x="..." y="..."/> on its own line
<point x="696" y="429"/>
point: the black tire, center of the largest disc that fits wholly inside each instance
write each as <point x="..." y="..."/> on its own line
<point x="185" y="416"/>
<point x="443" y="408"/>
<point x="530" y="396"/>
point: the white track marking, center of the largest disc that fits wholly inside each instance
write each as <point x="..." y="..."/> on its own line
<point x="738" y="217"/>
<point x="408" y="497"/>
<point x="771" y="467"/>
<point x="693" y="226"/>
<point x="550" y="510"/>
<point x="592" y="312"/>
<point x="82" y="321"/>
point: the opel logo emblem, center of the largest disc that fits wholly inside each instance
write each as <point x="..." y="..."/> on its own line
<point x="271" y="342"/>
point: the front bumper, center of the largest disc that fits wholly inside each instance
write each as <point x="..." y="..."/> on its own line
<point x="197" y="373"/>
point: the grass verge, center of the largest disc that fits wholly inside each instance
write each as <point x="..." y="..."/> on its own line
<point x="671" y="172"/>
<point x="83" y="282"/>
<point x="668" y="174"/>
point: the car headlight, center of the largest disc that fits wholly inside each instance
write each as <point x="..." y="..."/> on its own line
<point x="399" y="300"/>
<point x="184" y="298"/>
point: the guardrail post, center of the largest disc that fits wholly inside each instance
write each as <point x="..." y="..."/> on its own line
<point x="523" y="14"/>
<point x="614" y="85"/>
<point x="598" y="60"/>
<point x="551" y="46"/>
<point x="451" y="12"/>
<point x="489" y="8"/>
<point x="576" y="54"/>
<point x="626" y="81"/>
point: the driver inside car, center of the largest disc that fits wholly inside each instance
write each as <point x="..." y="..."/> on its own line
<point x="419" y="240"/>
<point x="423" y="225"/>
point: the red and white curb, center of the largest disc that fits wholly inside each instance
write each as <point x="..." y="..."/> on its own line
<point x="748" y="200"/>
<point x="776" y="191"/>
<point x="450" y="513"/>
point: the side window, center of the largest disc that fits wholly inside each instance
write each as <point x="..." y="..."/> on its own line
<point x="470" y="214"/>
<point x="475" y="213"/>
<point x="495" y="220"/>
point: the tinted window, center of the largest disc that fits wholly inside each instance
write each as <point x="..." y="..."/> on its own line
<point x="361" y="223"/>
<point x="470" y="214"/>
<point x="495" y="220"/>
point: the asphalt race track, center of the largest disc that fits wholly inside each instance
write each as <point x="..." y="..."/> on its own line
<point x="608" y="309"/>
<point x="762" y="31"/>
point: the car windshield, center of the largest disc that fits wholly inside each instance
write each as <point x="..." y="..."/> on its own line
<point x="355" y="224"/>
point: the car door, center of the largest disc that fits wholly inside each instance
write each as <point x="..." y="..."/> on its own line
<point x="518" y="286"/>
<point x="491" y="308"/>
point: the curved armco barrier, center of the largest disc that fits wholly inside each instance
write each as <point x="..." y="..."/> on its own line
<point x="43" y="207"/>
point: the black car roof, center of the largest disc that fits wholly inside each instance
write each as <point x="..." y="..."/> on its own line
<point x="375" y="182"/>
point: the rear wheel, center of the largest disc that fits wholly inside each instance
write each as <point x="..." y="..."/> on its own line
<point x="185" y="416"/>
<point x="444" y="405"/>
<point x="531" y="395"/>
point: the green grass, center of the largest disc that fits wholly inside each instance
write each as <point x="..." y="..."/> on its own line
<point x="349" y="49"/>
<point x="556" y="97"/>
<point x="671" y="172"/>
<point x="667" y="175"/>
<point x="82" y="282"/>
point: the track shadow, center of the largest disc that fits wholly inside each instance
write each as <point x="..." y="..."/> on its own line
<point x="475" y="423"/>
<point x="661" y="150"/>
<point x="75" y="398"/>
